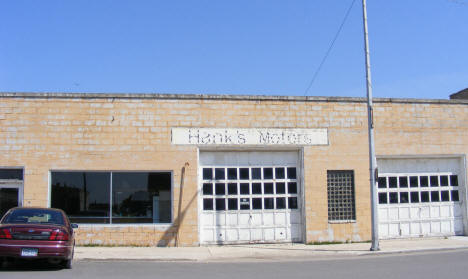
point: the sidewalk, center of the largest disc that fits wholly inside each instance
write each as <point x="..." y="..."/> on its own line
<point x="274" y="252"/>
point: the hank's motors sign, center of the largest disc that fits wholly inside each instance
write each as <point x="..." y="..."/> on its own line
<point x="250" y="136"/>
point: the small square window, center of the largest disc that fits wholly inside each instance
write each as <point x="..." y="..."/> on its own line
<point x="219" y="174"/>
<point x="256" y="173"/>
<point x="220" y="204"/>
<point x="434" y="181"/>
<point x="382" y="198"/>
<point x="291" y="173"/>
<point x="425" y="196"/>
<point x="413" y="181"/>
<point x="232" y="204"/>
<point x="455" y="195"/>
<point x="435" y="196"/>
<point x="232" y="188"/>
<point x="280" y="188"/>
<point x="392" y="182"/>
<point x="268" y="188"/>
<point x="232" y="173"/>
<point x="220" y="189"/>
<point x="414" y="197"/>
<point x="256" y="188"/>
<point x="382" y="182"/>
<point x="267" y="173"/>
<point x="444" y="180"/>
<point x="207" y="189"/>
<point x="403" y="181"/>
<point x="404" y="197"/>
<point x="244" y="203"/>
<point x="424" y="181"/>
<point x="445" y="195"/>
<point x="244" y="188"/>
<point x="207" y="204"/>
<point x="207" y="174"/>
<point x="256" y="203"/>
<point x="244" y="173"/>
<point x="269" y="203"/>
<point x="292" y="187"/>
<point x="280" y="203"/>
<point x="279" y="173"/>
<point x="292" y="203"/>
<point x="393" y="197"/>
<point x="454" y="180"/>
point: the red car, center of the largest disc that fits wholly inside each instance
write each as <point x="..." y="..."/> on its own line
<point x="37" y="233"/>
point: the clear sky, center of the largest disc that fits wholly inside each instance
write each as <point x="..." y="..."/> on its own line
<point x="419" y="48"/>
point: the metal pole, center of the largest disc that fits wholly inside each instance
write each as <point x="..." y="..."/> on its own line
<point x="372" y="159"/>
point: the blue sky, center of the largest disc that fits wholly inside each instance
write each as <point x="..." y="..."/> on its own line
<point x="419" y="49"/>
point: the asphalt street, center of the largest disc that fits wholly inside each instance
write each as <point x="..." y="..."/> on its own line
<point x="442" y="264"/>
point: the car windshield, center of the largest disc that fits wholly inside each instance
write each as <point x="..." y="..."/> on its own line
<point x="34" y="216"/>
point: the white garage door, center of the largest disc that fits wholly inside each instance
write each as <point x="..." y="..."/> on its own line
<point x="249" y="197"/>
<point x="420" y="197"/>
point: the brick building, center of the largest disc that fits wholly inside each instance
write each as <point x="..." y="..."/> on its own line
<point x="160" y="169"/>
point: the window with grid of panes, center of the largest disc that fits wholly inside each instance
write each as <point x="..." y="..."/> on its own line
<point x="249" y="188"/>
<point x="340" y="189"/>
<point x="417" y="188"/>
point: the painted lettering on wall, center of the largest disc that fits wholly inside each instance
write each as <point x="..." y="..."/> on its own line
<point x="250" y="136"/>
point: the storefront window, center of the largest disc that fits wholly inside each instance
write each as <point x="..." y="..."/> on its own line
<point x="141" y="197"/>
<point x="136" y="197"/>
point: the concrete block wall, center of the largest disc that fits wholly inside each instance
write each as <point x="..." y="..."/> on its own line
<point x="133" y="132"/>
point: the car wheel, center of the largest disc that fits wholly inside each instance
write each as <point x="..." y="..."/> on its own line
<point x="67" y="264"/>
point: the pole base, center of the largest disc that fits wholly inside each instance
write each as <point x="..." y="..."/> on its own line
<point x="375" y="248"/>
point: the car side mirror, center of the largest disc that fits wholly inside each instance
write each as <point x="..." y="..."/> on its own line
<point x="74" y="226"/>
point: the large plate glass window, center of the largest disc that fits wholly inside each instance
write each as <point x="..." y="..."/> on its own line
<point x="113" y="197"/>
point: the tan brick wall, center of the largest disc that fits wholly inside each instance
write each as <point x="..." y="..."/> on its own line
<point x="44" y="134"/>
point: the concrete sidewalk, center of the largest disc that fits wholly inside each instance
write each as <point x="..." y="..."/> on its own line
<point x="273" y="252"/>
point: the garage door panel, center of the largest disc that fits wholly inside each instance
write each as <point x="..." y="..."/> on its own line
<point x="446" y="226"/>
<point x="405" y="229"/>
<point x="207" y="219"/>
<point x="280" y="219"/>
<point x="250" y="197"/>
<point x="436" y="227"/>
<point x="295" y="217"/>
<point x="232" y="219"/>
<point x="256" y="219"/>
<point x="208" y="235"/>
<point x="435" y="211"/>
<point x="404" y="213"/>
<point x="414" y="213"/>
<point x="383" y="230"/>
<point x="426" y="202"/>
<point x="280" y="233"/>
<point x="244" y="234"/>
<point x="220" y="219"/>
<point x="415" y="228"/>
<point x="457" y="211"/>
<point x="425" y="228"/>
<point x="425" y="212"/>
<point x="296" y="231"/>
<point x="393" y="214"/>
<point x="394" y="230"/>
<point x="256" y="234"/>
<point x="445" y="211"/>
<point x="268" y="219"/>
<point x="232" y="235"/>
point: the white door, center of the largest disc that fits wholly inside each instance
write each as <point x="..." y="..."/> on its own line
<point x="420" y="197"/>
<point x="249" y="197"/>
